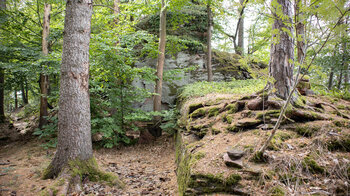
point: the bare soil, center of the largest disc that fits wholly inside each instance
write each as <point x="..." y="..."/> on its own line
<point x="146" y="169"/>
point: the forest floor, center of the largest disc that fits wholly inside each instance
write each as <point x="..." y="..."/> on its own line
<point x="146" y="169"/>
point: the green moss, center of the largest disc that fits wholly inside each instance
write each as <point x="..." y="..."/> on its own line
<point x="215" y="131"/>
<point x="90" y="168"/>
<point x="233" y="179"/>
<point x="277" y="191"/>
<point x="228" y="119"/>
<point x="194" y="107"/>
<point x="214" y="111"/>
<point x="342" y="123"/>
<point x="199" y="155"/>
<point x="198" y="113"/>
<point x="312" y="166"/>
<point x="342" y="143"/>
<point x="232" y="108"/>
<point x="268" y="114"/>
<point x="233" y="128"/>
<point x="341" y="107"/>
<point x="258" y="157"/>
<point x="278" y="140"/>
<point x="306" y="130"/>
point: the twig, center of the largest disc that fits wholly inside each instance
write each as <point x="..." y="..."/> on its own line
<point x="3" y="174"/>
<point x="4" y="163"/>
<point x="336" y="109"/>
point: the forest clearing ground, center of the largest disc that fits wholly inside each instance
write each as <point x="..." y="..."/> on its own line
<point x="146" y="169"/>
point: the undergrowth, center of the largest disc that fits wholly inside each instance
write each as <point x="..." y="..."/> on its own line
<point x="199" y="89"/>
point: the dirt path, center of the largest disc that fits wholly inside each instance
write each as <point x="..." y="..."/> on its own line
<point x="147" y="169"/>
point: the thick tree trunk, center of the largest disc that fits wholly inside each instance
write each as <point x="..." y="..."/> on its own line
<point x="240" y="27"/>
<point x="209" y="52"/>
<point x="2" y="77"/>
<point x="157" y="102"/>
<point x="74" y="128"/>
<point x="300" y="31"/>
<point x="282" y="52"/>
<point x="44" y="79"/>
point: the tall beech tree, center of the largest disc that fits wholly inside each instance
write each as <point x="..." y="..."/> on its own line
<point x="282" y="50"/>
<point x="44" y="78"/>
<point x="157" y="99"/>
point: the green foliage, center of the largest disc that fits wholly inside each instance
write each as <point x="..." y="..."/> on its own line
<point x="169" y="122"/>
<point x="48" y="132"/>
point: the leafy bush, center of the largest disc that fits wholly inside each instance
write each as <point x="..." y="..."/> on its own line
<point x="48" y="132"/>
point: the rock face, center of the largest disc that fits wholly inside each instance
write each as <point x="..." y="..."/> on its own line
<point x="226" y="67"/>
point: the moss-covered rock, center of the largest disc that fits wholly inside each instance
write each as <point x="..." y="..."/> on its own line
<point x="194" y="183"/>
<point x="193" y="107"/>
<point x="199" y="113"/>
<point x="278" y="140"/>
<point x="214" y="111"/>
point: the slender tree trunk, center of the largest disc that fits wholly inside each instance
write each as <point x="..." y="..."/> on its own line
<point x="330" y="80"/>
<point x="157" y="102"/>
<point x="2" y="82"/>
<point x="74" y="127"/>
<point x="26" y="92"/>
<point x="340" y="78"/>
<point x="44" y="79"/>
<point x="2" y="77"/>
<point x="24" y="99"/>
<point x="282" y="52"/>
<point x="240" y="27"/>
<point x="16" y="99"/>
<point x="300" y="30"/>
<point x="209" y="57"/>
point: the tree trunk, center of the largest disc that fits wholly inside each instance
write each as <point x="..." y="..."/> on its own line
<point x="157" y="104"/>
<point x="116" y="10"/>
<point x="74" y="127"/>
<point x="24" y="93"/>
<point x="2" y="77"/>
<point x="209" y="57"/>
<point x="330" y="81"/>
<point x="16" y="100"/>
<point x="300" y="31"/>
<point x="282" y="52"/>
<point x="240" y="27"/>
<point x="340" y="78"/>
<point x="44" y="79"/>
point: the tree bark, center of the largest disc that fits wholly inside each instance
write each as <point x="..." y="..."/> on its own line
<point x="330" y="80"/>
<point x="209" y="52"/>
<point x="2" y="77"/>
<point x="240" y="27"/>
<point x="282" y="52"/>
<point x="16" y="99"/>
<point x="340" y="78"/>
<point x="44" y="78"/>
<point x="24" y="98"/>
<point x="74" y="127"/>
<point x="300" y="31"/>
<point x="157" y="100"/>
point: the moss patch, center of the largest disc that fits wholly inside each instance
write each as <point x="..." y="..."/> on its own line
<point x="342" y="123"/>
<point x="194" y="107"/>
<point x="342" y="143"/>
<point x="278" y="140"/>
<point x="214" y="111"/>
<point x="306" y="130"/>
<point x="311" y="165"/>
<point x="277" y="191"/>
<point x="198" y="113"/>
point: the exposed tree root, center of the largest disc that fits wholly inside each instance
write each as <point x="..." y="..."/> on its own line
<point x="336" y="109"/>
<point x="70" y="178"/>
